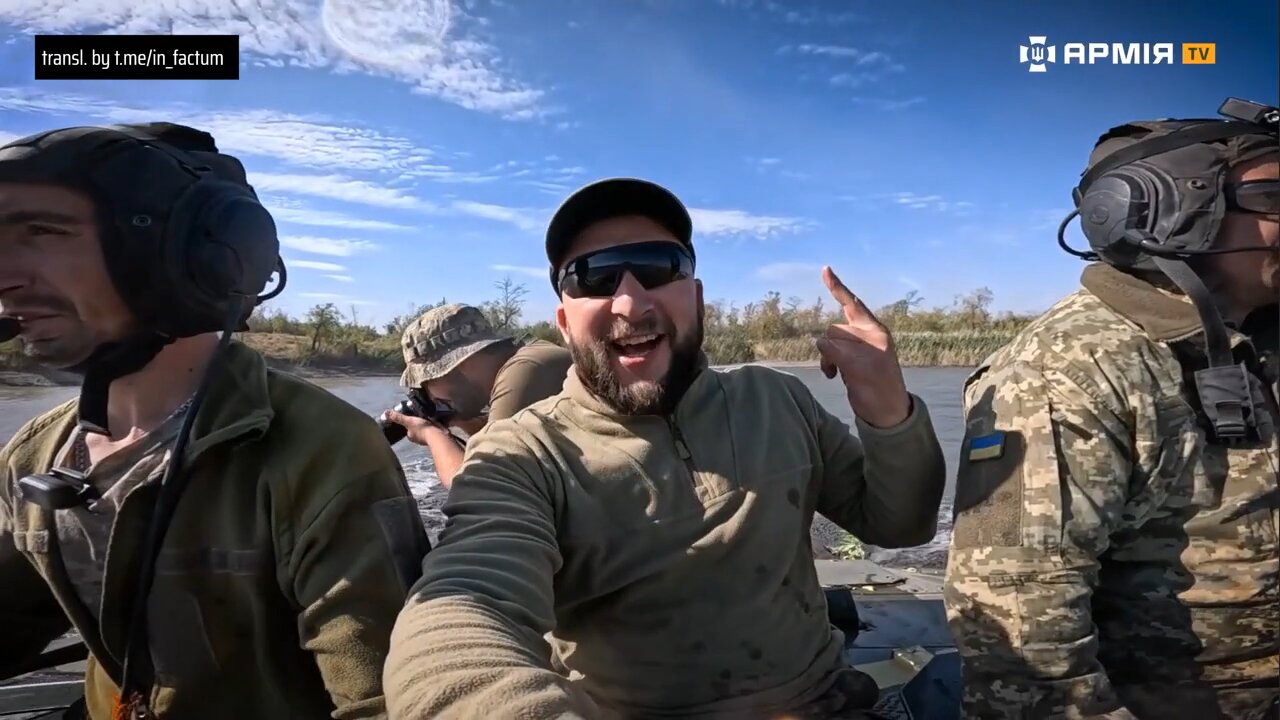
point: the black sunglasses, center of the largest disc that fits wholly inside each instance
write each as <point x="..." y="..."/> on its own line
<point x="598" y="274"/>
<point x="1255" y="196"/>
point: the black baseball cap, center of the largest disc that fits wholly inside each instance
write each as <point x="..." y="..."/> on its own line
<point x="615" y="197"/>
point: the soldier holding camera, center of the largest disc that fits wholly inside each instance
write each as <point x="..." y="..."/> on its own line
<point x="461" y="373"/>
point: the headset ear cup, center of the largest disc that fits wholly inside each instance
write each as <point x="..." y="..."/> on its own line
<point x="222" y="247"/>
<point x="1116" y="204"/>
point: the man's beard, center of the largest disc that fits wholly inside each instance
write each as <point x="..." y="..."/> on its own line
<point x="593" y="360"/>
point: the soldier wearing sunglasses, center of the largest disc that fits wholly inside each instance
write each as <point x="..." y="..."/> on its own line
<point x="652" y="520"/>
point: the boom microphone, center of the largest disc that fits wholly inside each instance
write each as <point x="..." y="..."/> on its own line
<point x="9" y="329"/>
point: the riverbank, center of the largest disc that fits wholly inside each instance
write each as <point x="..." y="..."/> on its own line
<point x="36" y="377"/>
<point x="381" y="357"/>
<point x="290" y="353"/>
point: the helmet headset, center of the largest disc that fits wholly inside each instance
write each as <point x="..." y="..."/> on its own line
<point x="188" y="247"/>
<point x="1159" y="201"/>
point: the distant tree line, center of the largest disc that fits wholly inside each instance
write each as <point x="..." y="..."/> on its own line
<point x="771" y="329"/>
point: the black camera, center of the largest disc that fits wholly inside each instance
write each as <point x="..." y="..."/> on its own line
<point x="419" y="403"/>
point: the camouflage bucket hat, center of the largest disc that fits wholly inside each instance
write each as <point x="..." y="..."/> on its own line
<point x="441" y="339"/>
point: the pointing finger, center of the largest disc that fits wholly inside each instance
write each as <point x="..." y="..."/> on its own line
<point x="838" y="289"/>
<point x="855" y="311"/>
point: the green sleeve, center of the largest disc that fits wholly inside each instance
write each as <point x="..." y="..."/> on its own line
<point x="470" y="641"/>
<point x="346" y="534"/>
<point x="30" y="616"/>
<point x="522" y="383"/>
<point x="1031" y="522"/>
<point x="886" y="487"/>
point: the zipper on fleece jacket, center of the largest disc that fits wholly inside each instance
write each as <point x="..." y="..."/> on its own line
<point x="681" y="449"/>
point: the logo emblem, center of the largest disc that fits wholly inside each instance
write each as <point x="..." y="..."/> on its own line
<point x="1037" y="54"/>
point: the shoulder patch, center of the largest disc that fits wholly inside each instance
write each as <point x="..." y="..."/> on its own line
<point x="986" y="447"/>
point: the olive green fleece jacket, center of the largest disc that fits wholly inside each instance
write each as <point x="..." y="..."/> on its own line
<point x="281" y="574"/>
<point x="669" y="556"/>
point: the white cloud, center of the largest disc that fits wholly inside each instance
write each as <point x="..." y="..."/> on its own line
<point x="339" y="187"/>
<point x="315" y="265"/>
<point x="1049" y="219"/>
<point x="913" y="200"/>
<point x="887" y="104"/>
<point x="764" y="164"/>
<point x="830" y="50"/>
<point x="341" y="278"/>
<point x="310" y="141"/>
<point x="423" y="43"/>
<point x="522" y="219"/>
<point x="857" y="79"/>
<point x="812" y="17"/>
<point x="775" y="165"/>
<point x="740" y="222"/>
<point x="336" y="298"/>
<point x="916" y="201"/>
<point x="551" y="188"/>
<point x="8" y="137"/>
<point x="335" y="247"/>
<point x="786" y="272"/>
<point x="290" y="211"/>
<point x="868" y="66"/>
<point x="873" y="59"/>
<point x="930" y="202"/>
<point x="788" y="13"/>
<point x="535" y="272"/>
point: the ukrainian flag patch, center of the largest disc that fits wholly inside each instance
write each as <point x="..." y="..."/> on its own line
<point x="986" y="447"/>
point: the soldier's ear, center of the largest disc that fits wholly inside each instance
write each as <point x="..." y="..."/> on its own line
<point x="561" y="323"/>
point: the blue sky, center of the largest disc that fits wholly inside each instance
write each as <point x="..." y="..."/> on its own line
<point x="414" y="149"/>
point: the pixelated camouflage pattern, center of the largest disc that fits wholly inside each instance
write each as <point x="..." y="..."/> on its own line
<point x="1112" y="562"/>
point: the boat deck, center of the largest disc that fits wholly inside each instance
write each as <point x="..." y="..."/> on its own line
<point x="901" y="640"/>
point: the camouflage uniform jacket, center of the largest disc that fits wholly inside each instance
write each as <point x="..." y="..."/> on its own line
<point x="288" y="557"/>
<point x="1107" y="559"/>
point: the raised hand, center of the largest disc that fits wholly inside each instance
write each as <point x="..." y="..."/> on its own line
<point x="861" y="350"/>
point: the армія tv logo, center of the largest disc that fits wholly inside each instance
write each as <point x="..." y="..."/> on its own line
<point x="1037" y="54"/>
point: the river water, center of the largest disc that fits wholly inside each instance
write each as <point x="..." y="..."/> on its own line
<point x="939" y="387"/>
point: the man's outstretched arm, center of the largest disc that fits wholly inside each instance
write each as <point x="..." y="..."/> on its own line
<point x="469" y="643"/>
<point x="1043" y="479"/>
